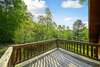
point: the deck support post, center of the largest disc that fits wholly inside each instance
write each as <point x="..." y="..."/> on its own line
<point x="94" y="21"/>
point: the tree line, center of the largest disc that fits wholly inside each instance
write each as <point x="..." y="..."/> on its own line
<point x="17" y="26"/>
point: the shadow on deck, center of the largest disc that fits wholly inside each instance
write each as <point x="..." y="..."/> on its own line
<point x="59" y="58"/>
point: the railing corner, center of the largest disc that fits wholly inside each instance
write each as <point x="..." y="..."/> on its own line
<point x="5" y="60"/>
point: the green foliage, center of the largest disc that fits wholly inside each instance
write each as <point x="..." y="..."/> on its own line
<point x="82" y="1"/>
<point x="80" y="31"/>
<point x="17" y="26"/>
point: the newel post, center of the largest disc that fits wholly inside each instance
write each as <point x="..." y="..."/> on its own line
<point x="57" y="43"/>
<point x="6" y="60"/>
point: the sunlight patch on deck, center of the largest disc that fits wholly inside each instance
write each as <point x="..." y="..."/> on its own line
<point x="57" y="59"/>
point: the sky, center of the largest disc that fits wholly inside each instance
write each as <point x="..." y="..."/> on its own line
<point x="65" y="12"/>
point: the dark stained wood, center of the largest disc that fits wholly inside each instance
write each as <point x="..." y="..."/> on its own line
<point x="94" y="20"/>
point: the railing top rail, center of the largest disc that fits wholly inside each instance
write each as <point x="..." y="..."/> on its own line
<point x="89" y="43"/>
<point x="29" y="44"/>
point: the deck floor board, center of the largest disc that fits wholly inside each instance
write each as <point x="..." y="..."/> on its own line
<point x="59" y="59"/>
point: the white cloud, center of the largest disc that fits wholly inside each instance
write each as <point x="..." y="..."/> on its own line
<point x="39" y="4"/>
<point x="71" y="4"/>
<point x="35" y="5"/>
<point x="38" y="14"/>
<point x="68" y="19"/>
<point x="86" y="23"/>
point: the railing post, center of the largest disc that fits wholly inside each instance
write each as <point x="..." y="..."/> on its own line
<point x="6" y="59"/>
<point x="57" y="43"/>
<point x="99" y="53"/>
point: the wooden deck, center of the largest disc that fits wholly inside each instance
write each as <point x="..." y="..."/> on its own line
<point x="58" y="58"/>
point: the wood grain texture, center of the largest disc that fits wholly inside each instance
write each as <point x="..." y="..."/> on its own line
<point x="59" y="59"/>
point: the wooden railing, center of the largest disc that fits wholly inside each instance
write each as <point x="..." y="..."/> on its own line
<point x="27" y="51"/>
<point x="90" y="50"/>
<point x="23" y="52"/>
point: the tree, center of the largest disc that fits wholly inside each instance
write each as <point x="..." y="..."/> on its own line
<point x="5" y="32"/>
<point x="77" y="27"/>
<point x="80" y="31"/>
<point x="84" y="34"/>
<point x="48" y="17"/>
<point x="41" y="19"/>
<point x="82" y="1"/>
<point x="14" y="14"/>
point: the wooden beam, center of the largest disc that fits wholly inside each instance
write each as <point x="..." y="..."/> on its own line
<point x="94" y="20"/>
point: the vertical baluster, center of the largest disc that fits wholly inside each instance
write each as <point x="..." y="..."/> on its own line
<point x="35" y="50"/>
<point x="19" y="55"/>
<point x="91" y="51"/>
<point x="69" y="46"/>
<point x="87" y="50"/>
<point x="74" y="46"/>
<point x="42" y="48"/>
<point x="15" y="55"/>
<point x="31" y="52"/>
<point x="96" y="53"/>
<point x="66" y="45"/>
<point x="77" y="48"/>
<point x="80" y="48"/>
<point x="45" y="45"/>
<point x="83" y="49"/>
<point x="22" y="54"/>
<point x="26" y="53"/>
